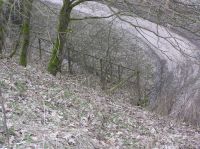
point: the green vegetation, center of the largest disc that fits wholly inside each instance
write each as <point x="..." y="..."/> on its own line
<point x="28" y="137"/>
<point x="54" y="63"/>
<point x="64" y="18"/>
<point x="27" y="6"/>
<point x="1" y="3"/>
<point x="143" y="102"/>
<point x="25" y="44"/>
<point x="67" y="94"/>
<point x="21" y="86"/>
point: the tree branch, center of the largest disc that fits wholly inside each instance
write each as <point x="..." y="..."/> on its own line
<point x="95" y="17"/>
<point x="75" y="3"/>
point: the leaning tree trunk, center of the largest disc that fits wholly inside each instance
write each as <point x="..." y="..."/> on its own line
<point x="64" y="18"/>
<point x="27" y="6"/>
<point x="1" y="27"/>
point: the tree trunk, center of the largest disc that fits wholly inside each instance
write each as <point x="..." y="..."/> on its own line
<point x="1" y="27"/>
<point x="64" y="18"/>
<point x="27" y="6"/>
<point x="14" y="14"/>
<point x="14" y="51"/>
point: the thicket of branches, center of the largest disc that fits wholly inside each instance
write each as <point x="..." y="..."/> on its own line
<point x="168" y="13"/>
<point x="164" y="13"/>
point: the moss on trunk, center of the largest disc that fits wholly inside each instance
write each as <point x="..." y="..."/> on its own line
<point x="1" y="27"/>
<point x="25" y="44"/>
<point x="27" y="6"/>
<point x="54" y="62"/>
<point x="64" y="18"/>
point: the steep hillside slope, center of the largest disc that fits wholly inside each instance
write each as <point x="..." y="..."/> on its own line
<point x="173" y="57"/>
<point x="47" y="112"/>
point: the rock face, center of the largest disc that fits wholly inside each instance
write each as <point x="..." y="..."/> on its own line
<point x="178" y="90"/>
<point x="174" y="13"/>
<point x="174" y="87"/>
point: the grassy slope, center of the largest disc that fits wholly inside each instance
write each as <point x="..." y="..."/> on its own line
<point x="47" y="112"/>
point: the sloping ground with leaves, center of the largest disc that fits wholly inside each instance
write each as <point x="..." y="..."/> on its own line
<point x="58" y="112"/>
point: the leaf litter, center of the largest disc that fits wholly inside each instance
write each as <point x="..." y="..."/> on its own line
<point x="59" y="112"/>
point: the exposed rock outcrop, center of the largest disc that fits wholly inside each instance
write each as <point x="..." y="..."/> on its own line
<point x="175" y="88"/>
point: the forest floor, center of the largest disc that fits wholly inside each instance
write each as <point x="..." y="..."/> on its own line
<point x="59" y="112"/>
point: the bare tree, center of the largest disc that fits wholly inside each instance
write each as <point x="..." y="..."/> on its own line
<point x="64" y="19"/>
<point x="1" y="27"/>
<point x="27" y="6"/>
